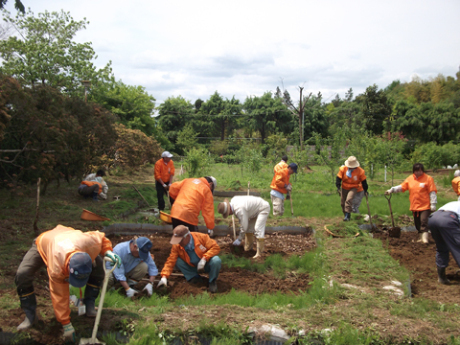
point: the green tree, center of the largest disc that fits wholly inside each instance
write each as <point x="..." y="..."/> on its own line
<point x="17" y="5"/>
<point x="186" y="139"/>
<point x="174" y="114"/>
<point x="45" y="53"/>
<point x="315" y="118"/>
<point x="375" y="108"/>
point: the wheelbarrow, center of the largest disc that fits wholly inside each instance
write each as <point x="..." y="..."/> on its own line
<point x="394" y="231"/>
<point x="93" y="339"/>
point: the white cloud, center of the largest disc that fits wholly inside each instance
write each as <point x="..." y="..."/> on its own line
<point x="241" y="48"/>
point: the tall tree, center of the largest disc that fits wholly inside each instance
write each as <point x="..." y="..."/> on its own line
<point x="17" y="5"/>
<point x="44" y="52"/>
<point x="174" y="114"/>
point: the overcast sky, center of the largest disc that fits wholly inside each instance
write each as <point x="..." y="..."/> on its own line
<point x="244" y="48"/>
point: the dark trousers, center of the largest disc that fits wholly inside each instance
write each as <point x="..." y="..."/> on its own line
<point x="32" y="262"/>
<point x="421" y="220"/>
<point x="89" y="190"/>
<point x="176" y="222"/>
<point x="161" y="192"/>
<point x="445" y="230"/>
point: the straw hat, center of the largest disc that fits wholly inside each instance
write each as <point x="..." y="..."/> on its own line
<point x="352" y="162"/>
<point x="224" y="208"/>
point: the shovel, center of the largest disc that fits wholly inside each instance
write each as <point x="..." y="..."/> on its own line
<point x="290" y="198"/>
<point x="394" y="231"/>
<point x="93" y="339"/>
<point x="369" y="212"/>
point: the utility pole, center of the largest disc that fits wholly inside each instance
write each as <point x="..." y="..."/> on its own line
<point x="86" y="84"/>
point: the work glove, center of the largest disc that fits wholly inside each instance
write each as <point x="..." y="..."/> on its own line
<point x="201" y="264"/>
<point x="69" y="333"/>
<point x="165" y="186"/>
<point x="163" y="281"/>
<point x="388" y="192"/>
<point x="131" y="292"/>
<point x="237" y="242"/>
<point x="433" y="207"/>
<point x="289" y="187"/>
<point x="149" y="289"/>
<point x="114" y="257"/>
<point x="210" y="233"/>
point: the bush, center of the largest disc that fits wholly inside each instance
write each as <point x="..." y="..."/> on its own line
<point x="434" y="156"/>
<point x="197" y="162"/>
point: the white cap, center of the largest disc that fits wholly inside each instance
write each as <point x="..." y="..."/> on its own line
<point x="213" y="181"/>
<point x="457" y="173"/>
<point x="166" y="154"/>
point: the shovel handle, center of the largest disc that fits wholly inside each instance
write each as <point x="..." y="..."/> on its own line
<point x="391" y="211"/>
<point x="369" y="210"/>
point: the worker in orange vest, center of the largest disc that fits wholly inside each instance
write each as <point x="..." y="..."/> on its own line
<point x="93" y="187"/>
<point x="164" y="174"/>
<point x="280" y="185"/>
<point x="422" y="197"/>
<point x="68" y="255"/>
<point x="192" y="196"/>
<point x="456" y="183"/>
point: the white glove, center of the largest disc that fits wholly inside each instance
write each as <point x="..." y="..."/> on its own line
<point x="388" y="192"/>
<point x="131" y="292"/>
<point x="210" y="233"/>
<point x="149" y="289"/>
<point x="69" y="333"/>
<point x="237" y="242"/>
<point x="201" y="264"/>
<point x="163" y="281"/>
<point x="289" y="187"/>
<point x="433" y="207"/>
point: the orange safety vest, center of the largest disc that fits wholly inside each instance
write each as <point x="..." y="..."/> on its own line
<point x="280" y="166"/>
<point x="56" y="247"/>
<point x="456" y="185"/>
<point x="357" y="176"/>
<point x="419" y="191"/>
<point x="163" y="171"/>
<point x="191" y="196"/>
<point x="91" y="183"/>
<point x="280" y="179"/>
<point x="204" y="247"/>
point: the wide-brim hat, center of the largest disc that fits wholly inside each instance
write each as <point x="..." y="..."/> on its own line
<point x="144" y="245"/>
<point x="224" y="208"/>
<point x="352" y="162"/>
<point x="80" y="268"/>
<point x="179" y="233"/>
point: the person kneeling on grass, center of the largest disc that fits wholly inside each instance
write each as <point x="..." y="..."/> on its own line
<point x="192" y="253"/>
<point x="136" y="262"/>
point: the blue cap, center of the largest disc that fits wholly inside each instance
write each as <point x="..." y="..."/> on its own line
<point x="293" y="166"/>
<point x="144" y="245"/>
<point x="80" y="267"/>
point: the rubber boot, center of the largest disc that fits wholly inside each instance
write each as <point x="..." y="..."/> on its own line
<point x="91" y="293"/>
<point x="213" y="287"/>
<point x="442" y="278"/>
<point x="260" y="247"/>
<point x="29" y="305"/>
<point x="248" y="241"/>
<point x="423" y="238"/>
<point x="347" y="217"/>
<point x="95" y="196"/>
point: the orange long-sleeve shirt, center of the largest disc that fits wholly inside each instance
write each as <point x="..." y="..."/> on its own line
<point x="204" y="247"/>
<point x="357" y="176"/>
<point x="419" y="191"/>
<point x="456" y="185"/>
<point x="280" y="166"/>
<point x="191" y="196"/>
<point x="164" y="171"/>
<point x="280" y="179"/>
<point x="56" y="247"/>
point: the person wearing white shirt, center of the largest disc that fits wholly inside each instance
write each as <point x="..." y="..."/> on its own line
<point x="445" y="229"/>
<point x="252" y="213"/>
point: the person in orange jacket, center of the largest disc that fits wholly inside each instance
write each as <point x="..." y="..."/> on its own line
<point x="192" y="253"/>
<point x="456" y="183"/>
<point x="349" y="177"/>
<point x="280" y="185"/>
<point x="68" y="255"/>
<point x="192" y="196"/>
<point x="164" y="174"/>
<point x="281" y="165"/>
<point x="93" y="187"/>
<point x="422" y="197"/>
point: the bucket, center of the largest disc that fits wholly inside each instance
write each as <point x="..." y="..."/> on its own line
<point x="165" y="217"/>
<point x="88" y="215"/>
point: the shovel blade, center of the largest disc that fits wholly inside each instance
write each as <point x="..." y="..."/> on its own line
<point x="91" y="341"/>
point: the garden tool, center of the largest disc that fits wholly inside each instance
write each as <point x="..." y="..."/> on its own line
<point x="290" y="198"/>
<point x="234" y="231"/>
<point x="169" y="200"/>
<point x="93" y="339"/>
<point x="369" y="211"/>
<point x="393" y="231"/>
<point x="248" y="187"/>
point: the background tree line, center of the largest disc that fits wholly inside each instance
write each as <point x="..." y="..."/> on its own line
<point x="52" y="126"/>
